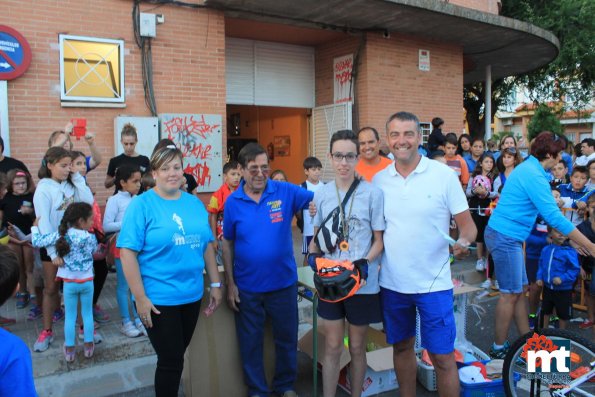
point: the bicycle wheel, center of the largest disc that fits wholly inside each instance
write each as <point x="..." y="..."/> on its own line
<point x="518" y="380"/>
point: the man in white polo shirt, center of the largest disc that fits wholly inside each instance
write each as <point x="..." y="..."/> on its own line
<point x="420" y="196"/>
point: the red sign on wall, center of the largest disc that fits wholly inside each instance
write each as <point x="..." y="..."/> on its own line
<point x="15" y="53"/>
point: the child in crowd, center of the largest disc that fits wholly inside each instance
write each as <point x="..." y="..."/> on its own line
<point x="588" y="229"/>
<point x="74" y="247"/>
<point x="455" y="161"/>
<point x="480" y="194"/>
<point x="128" y="178"/>
<point x="313" y="171"/>
<point x="16" y="208"/>
<point x="57" y="189"/>
<point x="477" y="150"/>
<point x="591" y="182"/>
<point x="559" y="173"/>
<point x="147" y="182"/>
<point x="557" y="271"/>
<point x="231" y="181"/>
<point x="79" y="164"/>
<point x="279" y="175"/>
<point x="16" y="371"/>
<point x="572" y="192"/>
<point x="438" y="155"/>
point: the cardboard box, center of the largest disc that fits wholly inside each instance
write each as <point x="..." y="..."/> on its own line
<point x="380" y="375"/>
<point x="212" y="364"/>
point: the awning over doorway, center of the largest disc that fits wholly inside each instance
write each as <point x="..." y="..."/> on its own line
<point x="512" y="47"/>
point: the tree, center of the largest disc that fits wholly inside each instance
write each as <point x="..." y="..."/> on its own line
<point x="570" y="77"/>
<point x="543" y="119"/>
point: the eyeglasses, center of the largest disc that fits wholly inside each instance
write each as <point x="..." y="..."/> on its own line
<point x="349" y="157"/>
<point x="265" y="169"/>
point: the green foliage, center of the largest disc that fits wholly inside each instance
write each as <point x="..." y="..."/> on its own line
<point x="543" y="120"/>
<point x="570" y="78"/>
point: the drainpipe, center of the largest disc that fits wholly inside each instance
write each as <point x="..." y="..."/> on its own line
<point x="487" y="116"/>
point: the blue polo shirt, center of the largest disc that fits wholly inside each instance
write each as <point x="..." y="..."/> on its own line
<point x="171" y="237"/>
<point x="261" y="233"/>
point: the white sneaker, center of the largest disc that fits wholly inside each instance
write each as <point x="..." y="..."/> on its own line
<point x="480" y="265"/>
<point x="496" y="287"/>
<point x="486" y="284"/>
<point x="129" y="330"/>
<point x="141" y="328"/>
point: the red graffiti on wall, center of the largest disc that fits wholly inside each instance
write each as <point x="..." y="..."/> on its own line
<point x="191" y="134"/>
<point x="343" y="71"/>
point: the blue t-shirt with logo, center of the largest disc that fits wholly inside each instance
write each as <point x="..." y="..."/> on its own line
<point x="261" y="233"/>
<point x="170" y="237"/>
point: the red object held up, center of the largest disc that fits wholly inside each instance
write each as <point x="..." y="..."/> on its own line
<point x="79" y="128"/>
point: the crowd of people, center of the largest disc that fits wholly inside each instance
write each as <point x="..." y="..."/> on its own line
<point x="160" y="237"/>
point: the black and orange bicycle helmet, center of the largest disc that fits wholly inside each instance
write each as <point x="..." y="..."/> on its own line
<point x="336" y="280"/>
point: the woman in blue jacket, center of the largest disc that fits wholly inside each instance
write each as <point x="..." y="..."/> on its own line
<point x="526" y="194"/>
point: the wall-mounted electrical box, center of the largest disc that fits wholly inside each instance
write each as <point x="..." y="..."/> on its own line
<point x="148" y="25"/>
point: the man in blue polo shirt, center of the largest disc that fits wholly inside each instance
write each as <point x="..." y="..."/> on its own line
<point x="261" y="271"/>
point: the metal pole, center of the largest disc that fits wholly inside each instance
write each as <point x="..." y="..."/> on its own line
<point x="487" y="116"/>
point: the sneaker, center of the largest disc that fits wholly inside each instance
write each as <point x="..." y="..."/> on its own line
<point x="480" y="265"/>
<point x="97" y="339"/>
<point x="586" y="324"/>
<point x="7" y="321"/>
<point x="486" y="284"/>
<point x="23" y="299"/>
<point x="554" y="322"/>
<point x="141" y="328"/>
<point x="88" y="350"/>
<point x="58" y="315"/>
<point x="532" y="321"/>
<point x="43" y="341"/>
<point x="499" y="354"/>
<point x="496" y="287"/>
<point x="34" y="313"/>
<point x="69" y="354"/>
<point x="129" y="330"/>
<point x="100" y="315"/>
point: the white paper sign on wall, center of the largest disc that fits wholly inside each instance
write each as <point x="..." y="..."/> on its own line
<point x="424" y="60"/>
<point x="199" y="137"/>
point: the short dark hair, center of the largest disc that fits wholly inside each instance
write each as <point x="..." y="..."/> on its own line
<point x="312" y="162"/>
<point x="437" y="122"/>
<point x="477" y="139"/>
<point x="580" y="168"/>
<point x="9" y="273"/>
<point x="590" y="163"/>
<point x="371" y="129"/>
<point x="437" y="154"/>
<point x="547" y="143"/>
<point x="566" y="164"/>
<point x="589" y="141"/>
<point x="250" y="152"/>
<point x="230" y="165"/>
<point x="451" y="138"/>
<point x="403" y="116"/>
<point x="344" y="135"/>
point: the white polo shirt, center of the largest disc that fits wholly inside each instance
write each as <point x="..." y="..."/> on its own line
<point x="415" y="257"/>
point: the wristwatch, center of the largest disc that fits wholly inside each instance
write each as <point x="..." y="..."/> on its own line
<point x="216" y="285"/>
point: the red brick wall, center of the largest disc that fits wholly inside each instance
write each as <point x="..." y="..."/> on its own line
<point x="390" y="80"/>
<point x="188" y="62"/>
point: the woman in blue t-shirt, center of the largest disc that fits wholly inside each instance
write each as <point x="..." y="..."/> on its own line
<point x="164" y="238"/>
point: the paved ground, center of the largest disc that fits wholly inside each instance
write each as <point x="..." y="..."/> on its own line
<point x="124" y="367"/>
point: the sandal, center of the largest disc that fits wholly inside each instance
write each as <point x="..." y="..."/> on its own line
<point x="69" y="354"/>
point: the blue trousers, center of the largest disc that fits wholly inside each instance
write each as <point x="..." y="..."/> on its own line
<point x="72" y="293"/>
<point x="123" y="295"/>
<point x="281" y="307"/>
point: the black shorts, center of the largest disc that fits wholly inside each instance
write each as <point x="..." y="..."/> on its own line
<point x="480" y="223"/>
<point x="360" y="309"/>
<point x="561" y="300"/>
<point x="43" y="253"/>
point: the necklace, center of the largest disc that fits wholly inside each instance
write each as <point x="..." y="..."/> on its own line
<point x="343" y="243"/>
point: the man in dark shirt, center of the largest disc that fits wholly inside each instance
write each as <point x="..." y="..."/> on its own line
<point x="436" y="138"/>
<point x="8" y="163"/>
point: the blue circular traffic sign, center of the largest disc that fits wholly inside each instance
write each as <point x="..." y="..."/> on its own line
<point x="15" y="53"/>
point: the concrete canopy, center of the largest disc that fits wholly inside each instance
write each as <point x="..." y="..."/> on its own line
<point x="512" y="47"/>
